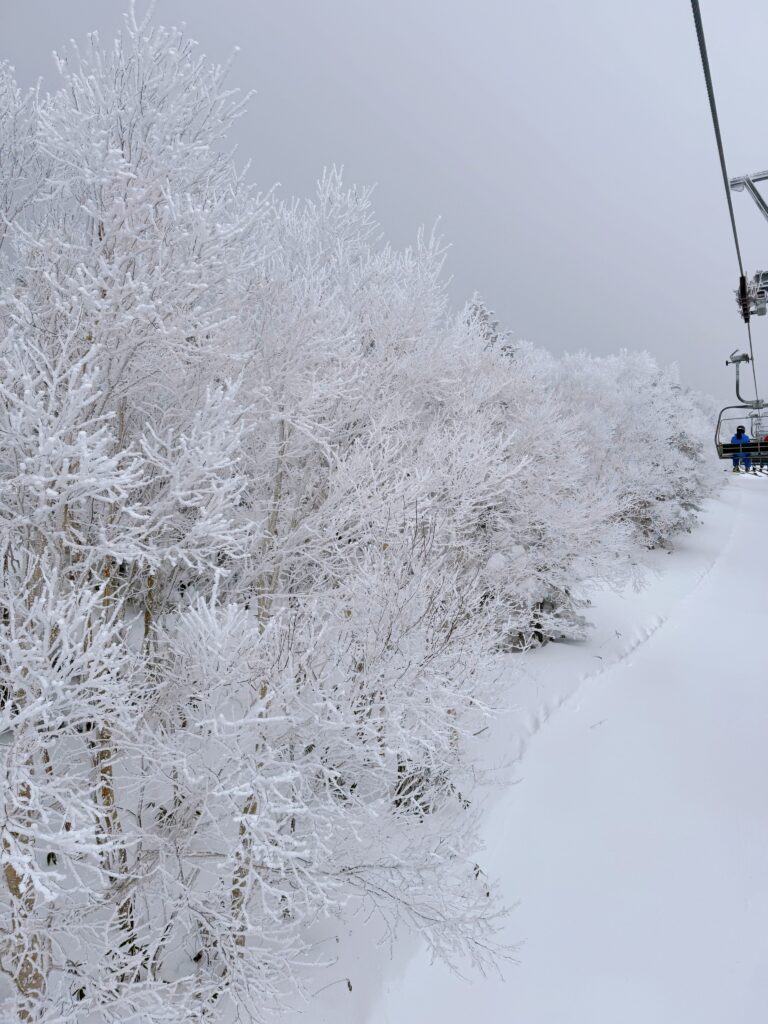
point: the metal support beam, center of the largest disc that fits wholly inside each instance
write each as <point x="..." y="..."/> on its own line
<point x="748" y="183"/>
<point x="737" y="184"/>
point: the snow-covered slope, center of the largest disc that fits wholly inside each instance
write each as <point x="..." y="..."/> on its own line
<point x="637" y="838"/>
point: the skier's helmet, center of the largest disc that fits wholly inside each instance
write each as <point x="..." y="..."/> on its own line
<point x="741" y="430"/>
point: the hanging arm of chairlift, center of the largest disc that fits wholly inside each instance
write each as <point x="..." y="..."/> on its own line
<point x="736" y="358"/>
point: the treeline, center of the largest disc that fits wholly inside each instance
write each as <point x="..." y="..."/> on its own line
<point x="271" y="515"/>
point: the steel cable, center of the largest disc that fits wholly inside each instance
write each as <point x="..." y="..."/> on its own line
<point x="718" y="139"/>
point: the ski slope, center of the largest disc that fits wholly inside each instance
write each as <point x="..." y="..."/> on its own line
<point x="636" y="840"/>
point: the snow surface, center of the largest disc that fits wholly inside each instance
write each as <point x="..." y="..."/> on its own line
<point x="636" y="839"/>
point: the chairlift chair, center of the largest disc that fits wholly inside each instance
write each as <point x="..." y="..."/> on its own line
<point x="733" y="415"/>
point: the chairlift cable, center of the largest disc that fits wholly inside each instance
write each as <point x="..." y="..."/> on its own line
<point x="726" y="184"/>
<point x="716" y="124"/>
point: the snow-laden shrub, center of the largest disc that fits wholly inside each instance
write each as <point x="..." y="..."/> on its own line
<point x="269" y="512"/>
<point x="645" y="431"/>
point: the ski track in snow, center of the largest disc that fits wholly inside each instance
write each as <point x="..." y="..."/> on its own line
<point x="634" y="838"/>
<point x="564" y="699"/>
<point x="648" y="632"/>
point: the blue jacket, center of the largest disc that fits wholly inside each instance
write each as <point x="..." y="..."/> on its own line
<point x="744" y="439"/>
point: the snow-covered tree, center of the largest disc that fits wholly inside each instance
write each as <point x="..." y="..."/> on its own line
<point x="645" y="432"/>
<point x="23" y="166"/>
<point x="226" y="707"/>
<point x="122" y="426"/>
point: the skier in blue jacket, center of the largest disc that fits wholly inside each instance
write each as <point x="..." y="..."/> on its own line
<point x="741" y="437"/>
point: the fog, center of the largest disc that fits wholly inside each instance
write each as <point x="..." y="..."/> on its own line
<point x="565" y="148"/>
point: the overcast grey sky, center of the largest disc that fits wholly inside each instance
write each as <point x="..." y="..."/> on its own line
<point x="565" y="146"/>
